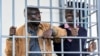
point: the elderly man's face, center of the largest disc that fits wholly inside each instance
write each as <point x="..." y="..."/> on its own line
<point x="34" y="15"/>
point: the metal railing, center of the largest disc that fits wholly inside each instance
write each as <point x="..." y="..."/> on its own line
<point x="96" y="10"/>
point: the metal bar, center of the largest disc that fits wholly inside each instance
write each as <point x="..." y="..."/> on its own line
<point x="44" y="46"/>
<point x="94" y="4"/>
<point x="62" y="11"/>
<point x="4" y="36"/>
<point x="62" y="48"/>
<point x="1" y="27"/>
<point x="13" y="24"/>
<point x="13" y="12"/>
<point x="13" y="49"/>
<point x="80" y="42"/>
<point x="51" y="20"/>
<point x="63" y="16"/>
<point x="78" y="12"/>
<point x="81" y="13"/>
<point x="45" y="7"/>
<point x="66" y="4"/>
<point x="89" y="11"/>
<point x="89" y="14"/>
<point x="26" y="34"/>
<point x="74" y="6"/>
<point x="86" y="14"/>
<point x="98" y="25"/>
<point x="66" y="52"/>
<point x="63" y="22"/>
<point x="92" y="25"/>
<point x="38" y="2"/>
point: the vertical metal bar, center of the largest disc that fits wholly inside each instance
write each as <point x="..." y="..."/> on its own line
<point x="74" y="12"/>
<point x="80" y="40"/>
<point x="77" y="3"/>
<point x="44" y="46"/>
<point x="26" y="34"/>
<point x="70" y="2"/>
<point x="51" y="20"/>
<point x="85" y="4"/>
<point x="90" y="23"/>
<point x="38" y="2"/>
<point x="13" y="12"/>
<point x="66" y="3"/>
<point x="98" y="25"/>
<point x="94" y="4"/>
<point x="60" y="12"/>
<point x="81" y="14"/>
<point x="0" y="27"/>
<point x="63" y="16"/>
<point x="89" y="11"/>
<point x="62" y="48"/>
<point x="13" y="24"/>
<point x="63" y="10"/>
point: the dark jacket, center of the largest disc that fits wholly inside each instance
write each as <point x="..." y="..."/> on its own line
<point x="71" y="46"/>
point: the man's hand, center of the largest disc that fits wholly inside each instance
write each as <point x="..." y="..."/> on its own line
<point x="47" y="33"/>
<point x="92" y="46"/>
<point x="74" y="31"/>
<point x="12" y="30"/>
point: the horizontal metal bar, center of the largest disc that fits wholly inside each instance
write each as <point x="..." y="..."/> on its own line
<point x="92" y="25"/>
<point x="51" y="37"/>
<point x="95" y="23"/>
<point x="89" y="14"/>
<point x="45" y="7"/>
<point x="63" y="22"/>
<point x="65" y="52"/>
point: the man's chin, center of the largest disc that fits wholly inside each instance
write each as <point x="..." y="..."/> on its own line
<point x="34" y="23"/>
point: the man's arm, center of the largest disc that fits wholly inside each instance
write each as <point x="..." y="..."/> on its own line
<point x="8" y="49"/>
<point x="59" y="32"/>
<point x="56" y="32"/>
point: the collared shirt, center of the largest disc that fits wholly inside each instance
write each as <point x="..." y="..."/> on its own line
<point x="66" y="26"/>
<point x="34" y="45"/>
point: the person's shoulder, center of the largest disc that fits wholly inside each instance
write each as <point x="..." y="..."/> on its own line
<point x="20" y="27"/>
<point x="44" y="24"/>
<point x="41" y="25"/>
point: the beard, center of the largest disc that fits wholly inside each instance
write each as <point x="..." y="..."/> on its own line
<point x="36" y="24"/>
<point x="33" y="23"/>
